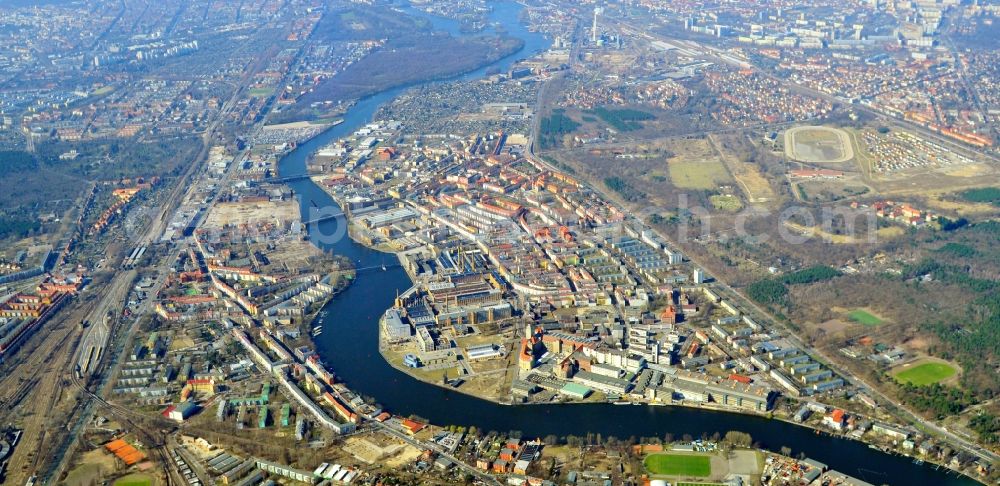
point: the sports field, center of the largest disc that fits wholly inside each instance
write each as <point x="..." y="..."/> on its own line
<point x="926" y="373"/>
<point x="864" y="317"/>
<point x="678" y="465"/>
<point x="135" y="480"/>
<point x="818" y="145"/>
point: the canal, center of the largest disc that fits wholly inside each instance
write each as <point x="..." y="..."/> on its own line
<point x="349" y="343"/>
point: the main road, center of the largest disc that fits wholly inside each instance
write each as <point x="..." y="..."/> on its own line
<point x="108" y="337"/>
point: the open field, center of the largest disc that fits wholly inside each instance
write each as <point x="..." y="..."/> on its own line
<point x="228" y="214"/>
<point x="375" y="448"/>
<point x="924" y="372"/>
<point x="940" y="186"/>
<point x="753" y="183"/>
<point x="102" y="91"/>
<point x="748" y="175"/>
<point x="181" y="342"/>
<point x="704" y="174"/>
<point x="886" y="232"/>
<point x="962" y="208"/>
<point x="696" y="164"/>
<point x="864" y="317"/>
<point x="818" y="145"/>
<point x="829" y="190"/>
<point x="678" y="465"/>
<point x="967" y="170"/>
<point x="92" y="467"/>
<point x="831" y="326"/>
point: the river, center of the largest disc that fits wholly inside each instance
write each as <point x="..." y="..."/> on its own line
<point x="349" y="343"/>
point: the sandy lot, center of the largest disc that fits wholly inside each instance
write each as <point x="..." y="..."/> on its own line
<point x="228" y="214"/>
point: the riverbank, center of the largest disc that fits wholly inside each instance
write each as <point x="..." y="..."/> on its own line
<point x="447" y="405"/>
<point x="349" y="346"/>
<point x="303" y="125"/>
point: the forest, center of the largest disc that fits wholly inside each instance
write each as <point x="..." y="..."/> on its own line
<point x="982" y="195"/>
<point x="623" y="188"/>
<point x="973" y="341"/>
<point x="987" y="426"/>
<point x="553" y="127"/>
<point x="939" y="400"/>
<point x="775" y="290"/>
<point x="817" y="273"/>
<point x="768" y="291"/>
<point x="14" y="226"/>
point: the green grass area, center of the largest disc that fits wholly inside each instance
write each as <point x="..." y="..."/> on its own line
<point x="699" y="484"/>
<point x="135" y="480"/>
<point x="726" y="202"/>
<point x="864" y="317"/>
<point x="83" y="474"/>
<point x="702" y="174"/>
<point x="261" y="92"/>
<point x="623" y="120"/>
<point x="678" y="465"/>
<point x="926" y="373"/>
<point x="102" y="90"/>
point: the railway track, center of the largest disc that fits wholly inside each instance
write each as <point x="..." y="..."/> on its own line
<point x="24" y="370"/>
<point x="151" y="431"/>
<point x="36" y="396"/>
<point x="11" y="401"/>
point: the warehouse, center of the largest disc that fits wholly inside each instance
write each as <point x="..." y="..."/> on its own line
<point x="575" y="390"/>
<point x="484" y="351"/>
<point x="603" y="383"/>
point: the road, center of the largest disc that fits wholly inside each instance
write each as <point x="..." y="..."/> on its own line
<point x="108" y="336"/>
<point x="476" y="473"/>
<point x="963" y="76"/>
